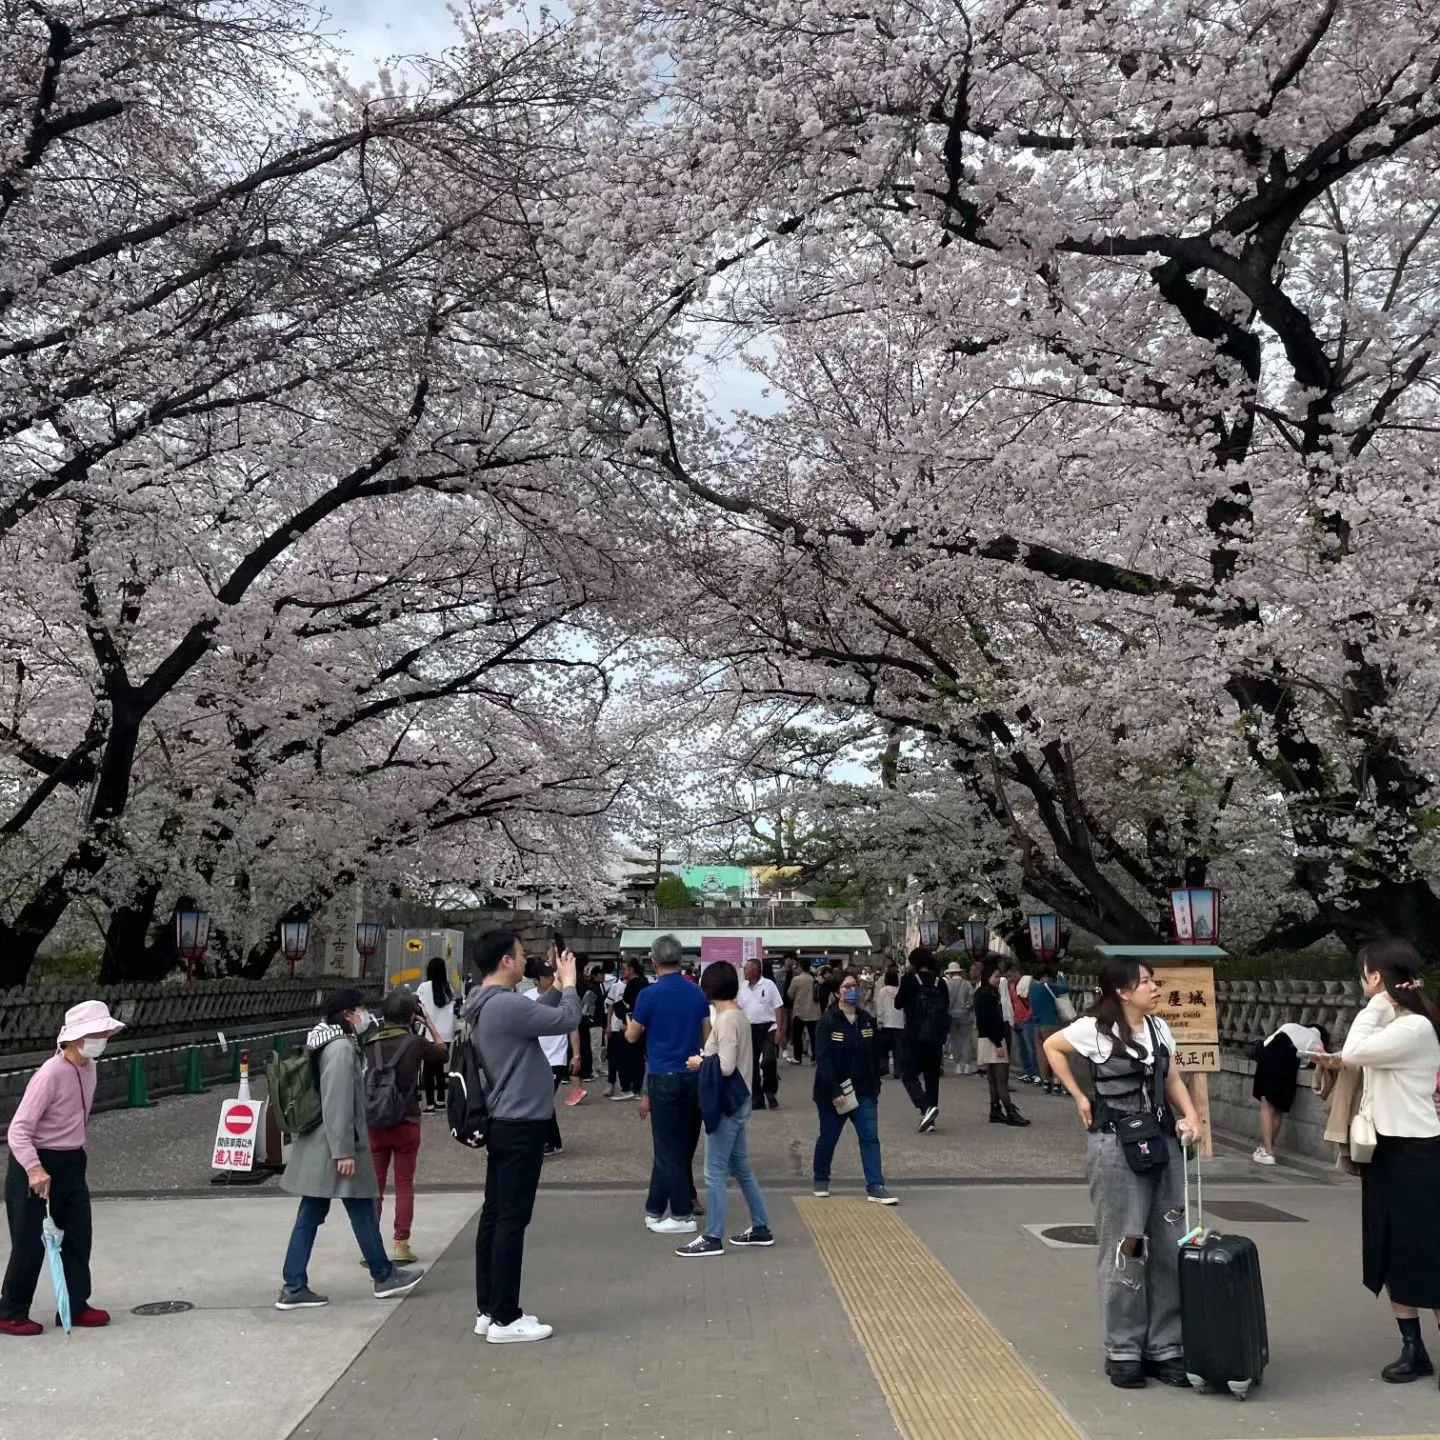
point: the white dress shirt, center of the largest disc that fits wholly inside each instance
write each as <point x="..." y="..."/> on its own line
<point x="761" y="1001"/>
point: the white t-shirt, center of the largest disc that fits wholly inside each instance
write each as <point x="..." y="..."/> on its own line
<point x="614" y="994"/>
<point x="1304" y="1038"/>
<point x="556" y="1047"/>
<point x="1087" y="1040"/>
<point x="442" y="1017"/>
<point x="760" y="1001"/>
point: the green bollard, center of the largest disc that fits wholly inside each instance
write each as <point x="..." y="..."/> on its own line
<point x="234" y="1064"/>
<point x="139" y="1086"/>
<point x="194" y="1081"/>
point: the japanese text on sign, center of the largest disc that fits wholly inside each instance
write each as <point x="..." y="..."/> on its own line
<point x="1187" y="1004"/>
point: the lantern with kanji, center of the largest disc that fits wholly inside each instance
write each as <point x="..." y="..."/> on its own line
<point x="1196" y="913"/>
<point x="192" y="938"/>
<point x="367" y="942"/>
<point x="1045" y="937"/>
<point x="977" y="939"/>
<point x="294" y="941"/>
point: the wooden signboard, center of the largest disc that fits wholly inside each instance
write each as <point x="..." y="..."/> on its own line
<point x="1187" y="1005"/>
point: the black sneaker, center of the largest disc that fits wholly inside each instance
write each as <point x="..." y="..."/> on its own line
<point x="1167" y="1372"/>
<point x="554" y="1150"/>
<point x="302" y="1299"/>
<point x="928" y="1119"/>
<point x="702" y="1245"/>
<point x="755" y="1235"/>
<point x="879" y="1195"/>
<point x="1126" y="1374"/>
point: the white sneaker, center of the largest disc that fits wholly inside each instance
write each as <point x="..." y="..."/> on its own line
<point x="1263" y="1157"/>
<point x="672" y="1226"/>
<point x="651" y="1221"/>
<point x="527" y="1327"/>
<point x="482" y="1324"/>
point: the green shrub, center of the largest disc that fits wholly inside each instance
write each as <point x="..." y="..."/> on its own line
<point x="672" y="893"/>
<point x="79" y="968"/>
<point x="1289" y="965"/>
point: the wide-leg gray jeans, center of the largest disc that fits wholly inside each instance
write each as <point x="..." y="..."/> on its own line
<point x="1139" y="1284"/>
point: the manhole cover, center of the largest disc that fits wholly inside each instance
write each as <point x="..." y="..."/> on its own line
<point x="1064" y="1237"/>
<point x="163" y="1307"/>
<point x="1071" y="1234"/>
<point x="1253" y="1210"/>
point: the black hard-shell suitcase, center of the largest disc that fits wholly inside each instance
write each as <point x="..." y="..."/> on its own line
<point x="1222" y="1307"/>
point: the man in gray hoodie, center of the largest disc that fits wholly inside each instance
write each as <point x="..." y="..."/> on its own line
<point x="505" y="1029"/>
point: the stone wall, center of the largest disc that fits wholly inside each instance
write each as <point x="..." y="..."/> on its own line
<point x="1235" y="1113"/>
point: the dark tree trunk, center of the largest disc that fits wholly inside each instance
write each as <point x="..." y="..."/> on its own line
<point x="1407" y="909"/>
<point x="126" y="958"/>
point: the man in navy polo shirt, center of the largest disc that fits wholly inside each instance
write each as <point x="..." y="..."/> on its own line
<point x="674" y="1016"/>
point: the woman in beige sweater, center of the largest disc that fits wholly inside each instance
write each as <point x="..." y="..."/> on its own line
<point x="726" y="1147"/>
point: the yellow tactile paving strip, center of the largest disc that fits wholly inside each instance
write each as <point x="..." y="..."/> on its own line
<point x="899" y="1298"/>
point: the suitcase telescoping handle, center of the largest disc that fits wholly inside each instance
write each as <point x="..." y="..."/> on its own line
<point x="1193" y="1229"/>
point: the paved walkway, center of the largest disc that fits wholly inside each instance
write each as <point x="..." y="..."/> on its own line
<point x="946" y="1317"/>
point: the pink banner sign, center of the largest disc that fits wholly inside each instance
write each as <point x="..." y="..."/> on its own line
<point x="733" y="949"/>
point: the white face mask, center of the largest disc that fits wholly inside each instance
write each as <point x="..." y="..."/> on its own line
<point x="94" y="1049"/>
<point x="362" y="1021"/>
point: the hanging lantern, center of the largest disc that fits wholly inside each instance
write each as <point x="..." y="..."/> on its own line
<point x="1045" y="936"/>
<point x="294" y="941"/>
<point x="977" y="939"/>
<point x="192" y="939"/>
<point x="367" y="942"/>
<point x="1196" y="913"/>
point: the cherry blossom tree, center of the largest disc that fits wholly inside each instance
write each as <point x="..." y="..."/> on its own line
<point x="284" y="530"/>
<point x="1101" y="345"/>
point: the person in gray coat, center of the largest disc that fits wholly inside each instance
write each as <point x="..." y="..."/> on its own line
<point x="333" y="1160"/>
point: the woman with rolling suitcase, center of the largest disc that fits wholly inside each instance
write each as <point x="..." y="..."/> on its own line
<point x="1396" y="1038"/>
<point x="1138" y="1108"/>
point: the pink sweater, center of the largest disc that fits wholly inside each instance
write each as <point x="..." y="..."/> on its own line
<point x="53" y="1111"/>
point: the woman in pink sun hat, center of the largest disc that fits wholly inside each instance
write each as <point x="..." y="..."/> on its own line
<point x="47" y="1166"/>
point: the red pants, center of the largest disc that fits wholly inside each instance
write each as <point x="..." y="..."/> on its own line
<point x="403" y="1142"/>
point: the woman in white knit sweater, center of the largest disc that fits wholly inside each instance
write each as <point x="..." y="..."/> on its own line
<point x="727" y="1152"/>
<point x="1396" y="1038"/>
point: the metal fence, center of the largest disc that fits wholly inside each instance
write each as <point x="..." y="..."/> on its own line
<point x="31" y="1015"/>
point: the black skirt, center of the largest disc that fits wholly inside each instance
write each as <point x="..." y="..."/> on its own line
<point x="1399" y="1191"/>
<point x="1277" y="1071"/>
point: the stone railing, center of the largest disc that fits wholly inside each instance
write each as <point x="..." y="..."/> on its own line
<point x="1249" y="1010"/>
<point x="31" y="1015"/>
<point x="1252" y="1009"/>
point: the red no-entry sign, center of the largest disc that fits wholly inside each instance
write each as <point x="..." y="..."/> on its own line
<point x="235" y="1135"/>
<point x="239" y="1119"/>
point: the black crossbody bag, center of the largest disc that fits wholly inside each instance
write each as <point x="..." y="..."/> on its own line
<point x="1143" y="1135"/>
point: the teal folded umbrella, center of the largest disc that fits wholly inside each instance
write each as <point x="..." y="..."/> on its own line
<point x="54" y="1238"/>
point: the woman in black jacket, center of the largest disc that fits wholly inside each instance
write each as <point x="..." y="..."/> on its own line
<point x="847" y="1087"/>
<point x="992" y="1050"/>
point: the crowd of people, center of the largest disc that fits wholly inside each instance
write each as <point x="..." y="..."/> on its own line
<point x="699" y="1055"/>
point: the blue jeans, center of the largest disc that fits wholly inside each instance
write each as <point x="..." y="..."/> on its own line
<point x="1025" y="1041"/>
<point x="364" y="1221"/>
<point x="674" y="1134"/>
<point x="867" y="1131"/>
<point x="727" y="1152"/>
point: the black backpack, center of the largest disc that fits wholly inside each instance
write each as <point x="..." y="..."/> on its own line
<point x="932" y="1003"/>
<point x="385" y="1102"/>
<point x="467" y="1105"/>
